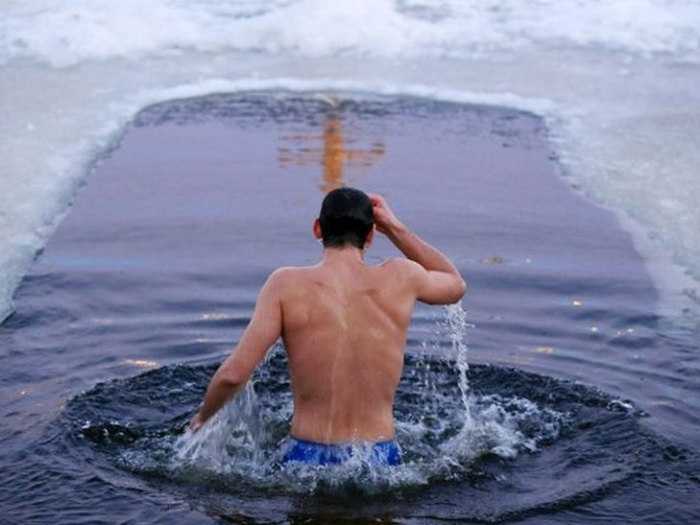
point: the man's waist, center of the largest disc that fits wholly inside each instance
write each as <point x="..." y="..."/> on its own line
<point x="384" y="453"/>
<point x="329" y="432"/>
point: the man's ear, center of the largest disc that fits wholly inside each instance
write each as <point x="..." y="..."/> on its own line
<point x="317" y="229"/>
<point x="370" y="237"/>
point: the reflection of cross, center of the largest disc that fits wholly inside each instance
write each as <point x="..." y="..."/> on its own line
<point x="334" y="154"/>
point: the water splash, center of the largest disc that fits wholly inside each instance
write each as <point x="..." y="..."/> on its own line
<point x="457" y="324"/>
<point x="237" y="426"/>
<point x="240" y="448"/>
<point x="444" y="425"/>
<point x="491" y="424"/>
<point x="468" y="442"/>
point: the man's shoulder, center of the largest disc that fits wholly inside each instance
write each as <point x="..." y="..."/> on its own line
<point x="292" y="270"/>
<point x="400" y="265"/>
<point x="287" y="282"/>
<point x="286" y="274"/>
<point x="401" y="270"/>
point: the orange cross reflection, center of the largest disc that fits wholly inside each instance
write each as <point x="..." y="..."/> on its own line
<point x="334" y="153"/>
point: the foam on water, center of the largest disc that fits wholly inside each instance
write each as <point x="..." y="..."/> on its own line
<point x="615" y="82"/>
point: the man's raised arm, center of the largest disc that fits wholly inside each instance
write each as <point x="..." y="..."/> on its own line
<point x="438" y="280"/>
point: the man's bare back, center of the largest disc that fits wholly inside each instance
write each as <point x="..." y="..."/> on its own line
<point x="344" y="331"/>
<point x="344" y="326"/>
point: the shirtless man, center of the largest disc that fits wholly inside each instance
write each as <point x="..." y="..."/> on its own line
<point x="344" y="325"/>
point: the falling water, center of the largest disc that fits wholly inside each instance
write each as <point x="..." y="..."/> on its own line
<point x="457" y="325"/>
<point x="236" y="424"/>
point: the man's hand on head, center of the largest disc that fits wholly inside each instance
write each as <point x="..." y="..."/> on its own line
<point x="384" y="219"/>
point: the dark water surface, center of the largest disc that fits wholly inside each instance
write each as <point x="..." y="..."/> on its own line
<point x="581" y="406"/>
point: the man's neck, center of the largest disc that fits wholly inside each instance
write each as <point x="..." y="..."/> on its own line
<point x="344" y="255"/>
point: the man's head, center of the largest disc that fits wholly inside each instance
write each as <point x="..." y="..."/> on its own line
<point x="346" y="218"/>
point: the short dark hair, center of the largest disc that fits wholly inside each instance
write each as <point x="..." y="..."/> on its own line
<point x="346" y="218"/>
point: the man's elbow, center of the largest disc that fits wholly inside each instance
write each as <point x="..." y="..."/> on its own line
<point x="453" y="294"/>
<point x="449" y="290"/>
<point x="459" y="289"/>
<point x="462" y="287"/>
<point x="230" y="380"/>
<point x="232" y="383"/>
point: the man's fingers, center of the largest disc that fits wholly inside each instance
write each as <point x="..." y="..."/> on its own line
<point x="378" y="203"/>
<point x="376" y="199"/>
<point x="195" y="423"/>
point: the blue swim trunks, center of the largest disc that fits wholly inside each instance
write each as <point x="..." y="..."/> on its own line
<point x="383" y="453"/>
